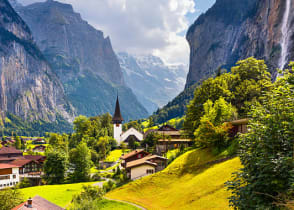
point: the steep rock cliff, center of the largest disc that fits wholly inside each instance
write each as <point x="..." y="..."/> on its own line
<point x="233" y="30"/>
<point x="82" y="58"/>
<point x="28" y="87"/>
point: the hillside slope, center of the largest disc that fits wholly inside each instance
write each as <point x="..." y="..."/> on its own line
<point x="188" y="183"/>
<point x="82" y="58"/>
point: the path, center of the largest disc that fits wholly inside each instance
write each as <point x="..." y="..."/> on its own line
<point x="133" y="204"/>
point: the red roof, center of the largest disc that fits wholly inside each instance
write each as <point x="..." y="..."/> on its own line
<point x="135" y="152"/>
<point x="39" y="203"/>
<point x="9" y="150"/>
<point x="21" y="163"/>
<point x="7" y="165"/>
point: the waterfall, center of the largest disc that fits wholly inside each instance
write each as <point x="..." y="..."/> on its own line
<point x="285" y="36"/>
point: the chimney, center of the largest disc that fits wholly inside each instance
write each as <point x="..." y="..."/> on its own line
<point x="30" y="203"/>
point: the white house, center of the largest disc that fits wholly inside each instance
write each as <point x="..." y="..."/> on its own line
<point x="9" y="175"/>
<point x="131" y="133"/>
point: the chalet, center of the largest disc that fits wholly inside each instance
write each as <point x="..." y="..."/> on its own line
<point x="40" y="148"/>
<point x="8" y="154"/>
<point x="39" y="141"/>
<point x="171" y="138"/>
<point x="239" y="126"/>
<point x="9" y="175"/>
<point x="145" y="166"/>
<point x="27" y="167"/>
<point x="38" y="158"/>
<point x="134" y="155"/>
<point x="37" y="203"/>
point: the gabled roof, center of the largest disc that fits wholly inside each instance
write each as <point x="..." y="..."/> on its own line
<point x="21" y="162"/>
<point x="39" y="203"/>
<point x="145" y="160"/>
<point x="167" y="128"/>
<point x="132" y="131"/>
<point x="9" y="150"/>
<point x="34" y="157"/>
<point x="132" y="153"/>
<point x="117" y="115"/>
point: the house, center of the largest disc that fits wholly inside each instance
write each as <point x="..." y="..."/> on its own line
<point x="133" y="155"/>
<point x="39" y="141"/>
<point x="28" y="167"/>
<point x="131" y="134"/>
<point x="38" y="158"/>
<point x="8" y="154"/>
<point x="171" y="138"/>
<point x="145" y="166"/>
<point x="37" y="203"/>
<point x="40" y="148"/>
<point x="239" y="126"/>
<point x="9" y="175"/>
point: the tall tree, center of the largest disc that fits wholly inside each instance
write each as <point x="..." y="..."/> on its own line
<point x="266" y="151"/>
<point x="55" y="166"/>
<point x="80" y="160"/>
<point x="17" y="142"/>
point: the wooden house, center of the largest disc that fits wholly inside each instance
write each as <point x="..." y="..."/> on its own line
<point x="239" y="126"/>
<point x="133" y="155"/>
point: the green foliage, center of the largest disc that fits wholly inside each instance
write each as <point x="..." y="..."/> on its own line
<point x="25" y="183"/>
<point x="266" y="151"/>
<point x="242" y="88"/>
<point x="150" y="141"/>
<point x="17" y="142"/>
<point x="10" y="198"/>
<point x="55" y="166"/>
<point x="87" y="198"/>
<point x="107" y="186"/>
<point x="133" y="124"/>
<point x="213" y="129"/>
<point x="80" y="160"/>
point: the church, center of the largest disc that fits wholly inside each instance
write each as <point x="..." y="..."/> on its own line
<point x="118" y="134"/>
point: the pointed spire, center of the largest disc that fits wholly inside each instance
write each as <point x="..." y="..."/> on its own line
<point x="117" y="118"/>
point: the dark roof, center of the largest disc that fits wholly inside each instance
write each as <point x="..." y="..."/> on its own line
<point x="9" y="150"/>
<point x="117" y="115"/>
<point x="39" y="203"/>
<point x="132" y="153"/>
<point x="167" y="128"/>
<point x="34" y="157"/>
<point x="240" y="122"/>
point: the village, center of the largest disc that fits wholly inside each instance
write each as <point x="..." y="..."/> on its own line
<point x="18" y="165"/>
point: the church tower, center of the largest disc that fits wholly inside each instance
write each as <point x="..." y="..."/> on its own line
<point x="117" y="122"/>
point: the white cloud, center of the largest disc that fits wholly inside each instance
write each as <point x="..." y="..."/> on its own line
<point x="140" y="26"/>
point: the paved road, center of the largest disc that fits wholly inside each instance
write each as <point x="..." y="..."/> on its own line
<point x="133" y="204"/>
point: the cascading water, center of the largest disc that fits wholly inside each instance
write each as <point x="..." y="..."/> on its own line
<point x="285" y="36"/>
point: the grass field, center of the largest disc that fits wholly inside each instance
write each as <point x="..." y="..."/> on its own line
<point x="114" y="205"/>
<point x="187" y="183"/>
<point x="61" y="195"/>
<point x="114" y="155"/>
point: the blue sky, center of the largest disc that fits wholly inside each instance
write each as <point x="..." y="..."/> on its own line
<point x="155" y="27"/>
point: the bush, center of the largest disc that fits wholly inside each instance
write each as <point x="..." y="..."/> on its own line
<point x="110" y="185"/>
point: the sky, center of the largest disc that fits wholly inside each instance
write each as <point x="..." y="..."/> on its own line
<point x="155" y="27"/>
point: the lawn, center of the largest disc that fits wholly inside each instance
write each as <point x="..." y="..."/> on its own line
<point x="187" y="183"/>
<point x="114" y="155"/>
<point x="59" y="194"/>
<point x="114" y="205"/>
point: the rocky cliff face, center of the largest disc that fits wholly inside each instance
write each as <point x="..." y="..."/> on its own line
<point x="28" y="87"/>
<point x="233" y="30"/>
<point x="147" y="72"/>
<point x="82" y="58"/>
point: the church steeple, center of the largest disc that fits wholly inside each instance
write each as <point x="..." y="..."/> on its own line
<point x="117" y="118"/>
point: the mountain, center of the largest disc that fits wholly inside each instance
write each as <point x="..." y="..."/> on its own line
<point x="29" y="89"/>
<point x="233" y="30"/>
<point x="147" y="72"/>
<point x="82" y="58"/>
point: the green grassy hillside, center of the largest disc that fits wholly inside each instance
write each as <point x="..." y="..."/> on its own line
<point x="188" y="183"/>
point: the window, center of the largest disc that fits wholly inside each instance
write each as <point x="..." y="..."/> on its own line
<point x="4" y="177"/>
<point x="14" y="176"/>
<point x="150" y="171"/>
<point x="139" y="155"/>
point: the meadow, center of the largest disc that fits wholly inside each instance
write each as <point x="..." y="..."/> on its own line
<point x="192" y="181"/>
